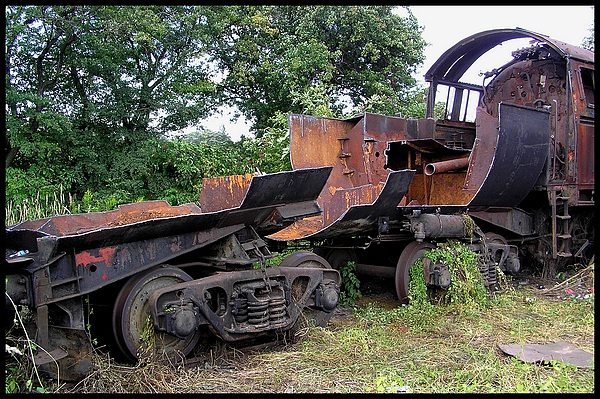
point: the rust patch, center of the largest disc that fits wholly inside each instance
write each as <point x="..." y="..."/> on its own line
<point x="100" y="255"/>
<point x="140" y="216"/>
<point x="66" y="225"/>
<point x="314" y="141"/>
<point x="299" y="229"/>
<point x="224" y="192"/>
<point x="446" y="189"/>
<point x="484" y="150"/>
<point x="333" y="208"/>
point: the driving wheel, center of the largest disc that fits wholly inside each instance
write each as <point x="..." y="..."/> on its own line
<point x="132" y="323"/>
<point x="410" y="254"/>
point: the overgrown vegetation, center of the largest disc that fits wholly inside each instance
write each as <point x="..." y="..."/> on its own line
<point x="93" y="95"/>
<point x="383" y="347"/>
<point x="22" y="374"/>
<point x="350" y="289"/>
<point x="467" y="285"/>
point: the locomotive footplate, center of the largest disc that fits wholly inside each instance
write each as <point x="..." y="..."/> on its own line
<point x="241" y="304"/>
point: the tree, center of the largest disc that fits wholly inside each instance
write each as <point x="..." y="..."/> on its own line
<point x="271" y="54"/>
<point x="85" y="84"/>
<point x="38" y="41"/>
<point x="588" y="41"/>
<point x="93" y="91"/>
<point x="208" y="137"/>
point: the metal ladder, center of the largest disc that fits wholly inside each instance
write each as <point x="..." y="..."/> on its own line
<point x="561" y="238"/>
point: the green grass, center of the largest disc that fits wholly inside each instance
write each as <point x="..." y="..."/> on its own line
<point x="38" y="207"/>
<point x="456" y="349"/>
<point x="379" y="346"/>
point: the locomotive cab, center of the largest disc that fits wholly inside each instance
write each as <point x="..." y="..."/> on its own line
<point x="542" y="101"/>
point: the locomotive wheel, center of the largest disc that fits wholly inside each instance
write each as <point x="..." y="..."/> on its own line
<point x="310" y="260"/>
<point x="338" y="258"/>
<point x="131" y="318"/>
<point x="493" y="237"/>
<point x="497" y="239"/>
<point x="410" y="254"/>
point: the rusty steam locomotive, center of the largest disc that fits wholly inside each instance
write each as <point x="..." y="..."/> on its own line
<point x="517" y="184"/>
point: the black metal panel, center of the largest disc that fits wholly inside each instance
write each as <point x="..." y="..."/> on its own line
<point x="365" y="218"/>
<point x="286" y="187"/>
<point x="512" y="219"/>
<point x="521" y="151"/>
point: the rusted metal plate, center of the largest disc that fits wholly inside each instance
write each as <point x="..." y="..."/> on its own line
<point x="585" y="153"/>
<point x="561" y="351"/>
<point x="252" y="191"/>
<point x="66" y="225"/>
<point x="521" y="152"/>
<point x="150" y="219"/>
<point x="483" y="151"/>
<point x="446" y="189"/>
<point x="334" y="204"/>
<point x="320" y="135"/>
<point x="223" y="192"/>
<point x="97" y="267"/>
<point x="362" y="217"/>
<point x="355" y="147"/>
<point x="438" y="190"/>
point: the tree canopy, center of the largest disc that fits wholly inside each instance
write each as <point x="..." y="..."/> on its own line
<point x="356" y="53"/>
<point x="588" y="41"/>
<point x="92" y="92"/>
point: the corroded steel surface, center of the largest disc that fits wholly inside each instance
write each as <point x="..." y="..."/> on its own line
<point x="585" y="154"/>
<point x="363" y="151"/>
<point x="362" y="211"/>
<point x="144" y="220"/>
<point x="483" y="150"/>
<point x="334" y="205"/>
<point x="66" y="225"/>
<point x="223" y="192"/>
<point x="356" y="148"/>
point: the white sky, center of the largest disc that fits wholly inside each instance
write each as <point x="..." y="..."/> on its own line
<point x="444" y="26"/>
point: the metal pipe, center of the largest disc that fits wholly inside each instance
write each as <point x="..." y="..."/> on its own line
<point x="375" y="270"/>
<point x="446" y="166"/>
<point x="435" y="225"/>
